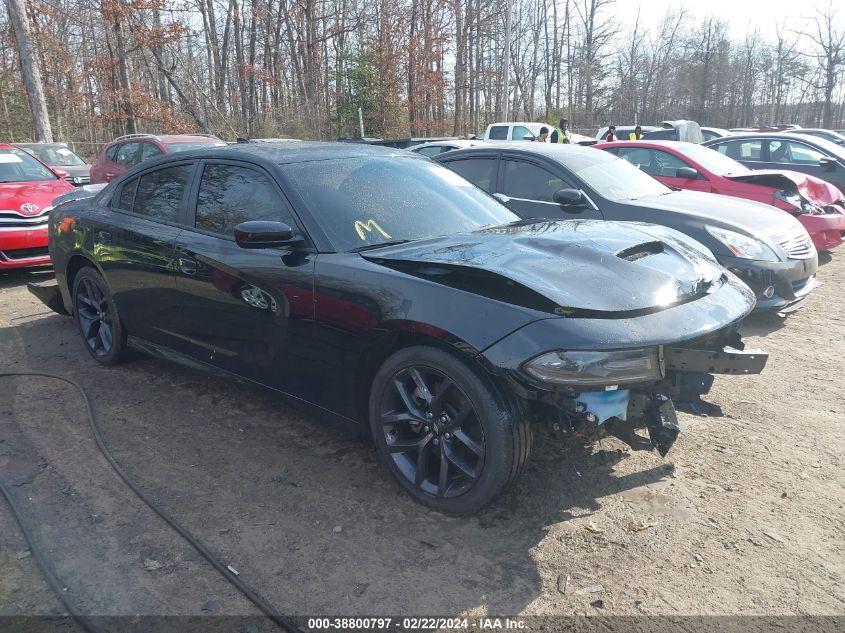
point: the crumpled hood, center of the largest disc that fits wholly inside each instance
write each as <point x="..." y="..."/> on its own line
<point x="570" y="268"/>
<point x="40" y="193"/>
<point x="816" y="190"/>
<point x="736" y="214"/>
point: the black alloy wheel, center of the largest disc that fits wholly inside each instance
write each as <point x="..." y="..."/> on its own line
<point x="432" y="431"/>
<point x="444" y="430"/>
<point x="96" y="316"/>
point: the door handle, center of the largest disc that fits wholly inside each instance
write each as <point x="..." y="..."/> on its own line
<point x="187" y="266"/>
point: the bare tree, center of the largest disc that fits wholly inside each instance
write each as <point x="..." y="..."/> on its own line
<point x="31" y="71"/>
<point x="830" y="53"/>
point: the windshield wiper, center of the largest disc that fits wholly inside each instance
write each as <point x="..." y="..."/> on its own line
<point x="372" y="246"/>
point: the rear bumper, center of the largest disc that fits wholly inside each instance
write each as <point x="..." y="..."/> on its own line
<point x="791" y="281"/>
<point x="24" y="248"/>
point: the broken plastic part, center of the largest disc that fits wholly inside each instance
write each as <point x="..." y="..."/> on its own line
<point x="605" y="404"/>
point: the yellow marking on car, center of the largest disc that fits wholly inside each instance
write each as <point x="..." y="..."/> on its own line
<point x="369" y="226"/>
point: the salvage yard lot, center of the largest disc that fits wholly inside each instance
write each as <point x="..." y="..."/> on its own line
<point x="746" y="515"/>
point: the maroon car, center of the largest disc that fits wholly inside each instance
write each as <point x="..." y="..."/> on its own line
<point x="818" y="205"/>
<point x="127" y="151"/>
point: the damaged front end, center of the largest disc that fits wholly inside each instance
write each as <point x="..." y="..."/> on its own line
<point x="646" y="387"/>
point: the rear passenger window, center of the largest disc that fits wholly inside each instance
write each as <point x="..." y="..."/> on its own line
<point x="499" y="133"/>
<point x="479" y="171"/>
<point x="230" y="194"/>
<point x="742" y="150"/>
<point x="127" y="195"/>
<point x="160" y="193"/>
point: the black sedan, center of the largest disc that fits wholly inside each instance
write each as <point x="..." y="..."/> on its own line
<point x="783" y="150"/>
<point x="768" y="249"/>
<point x="383" y="291"/>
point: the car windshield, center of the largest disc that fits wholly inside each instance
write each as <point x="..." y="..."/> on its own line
<point x="189" y="145"/>
<point x="55" y="156"/>
<point x="712" y="160"/>
<point x="18" y="166"/>
<point x="362" y="202"/>
<point x="612" y="178"/>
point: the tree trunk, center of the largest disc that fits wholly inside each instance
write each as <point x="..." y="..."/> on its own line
<point x="31" y="72"/>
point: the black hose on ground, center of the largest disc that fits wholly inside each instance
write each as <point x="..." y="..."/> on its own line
<point x="224" y="570"/>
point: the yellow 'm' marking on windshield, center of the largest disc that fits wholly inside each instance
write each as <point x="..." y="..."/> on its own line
<point x="368" y="226"/>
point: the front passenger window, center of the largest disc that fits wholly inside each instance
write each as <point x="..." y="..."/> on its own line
<point x="530" y="182"/>
<point x="126" y="154"/>
<point x="230" y="194"/>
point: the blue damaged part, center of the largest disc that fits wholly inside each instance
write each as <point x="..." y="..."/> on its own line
<point x="605" y="404"/>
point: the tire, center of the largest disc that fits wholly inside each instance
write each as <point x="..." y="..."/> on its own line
<point x="456" y="416"/>
<point x="96" y="317"/>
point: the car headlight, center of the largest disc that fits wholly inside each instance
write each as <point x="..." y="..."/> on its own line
<point x="743" y="245"/>
<point x="596" y="369"/>
<point x="790" y="198"/>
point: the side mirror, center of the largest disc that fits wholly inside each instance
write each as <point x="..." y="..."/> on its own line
<point x="686" y="172"/>
<point x="827" y="163"/>
<point x="264" y="234"/>
<point x="569" y="198"/>
<point x="61" y="173"/>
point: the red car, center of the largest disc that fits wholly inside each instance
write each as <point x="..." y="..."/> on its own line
<point x="818" y="205"/>
<point x="27" y="190"/>
<point x="127" y="151"/>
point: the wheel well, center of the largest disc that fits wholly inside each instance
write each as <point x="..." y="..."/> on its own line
<point x="74" y="265"/>
<point x="389" y="345"/>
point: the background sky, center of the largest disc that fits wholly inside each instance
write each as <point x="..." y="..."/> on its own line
<point x="742" y="16"/>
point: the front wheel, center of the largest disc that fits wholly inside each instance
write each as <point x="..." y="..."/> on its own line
<point x="444" y="432"/>
<point x="96" y="316"/>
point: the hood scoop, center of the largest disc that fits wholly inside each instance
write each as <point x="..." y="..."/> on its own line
<point x="639" y="251"/>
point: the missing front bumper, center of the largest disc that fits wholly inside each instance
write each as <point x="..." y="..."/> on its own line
<point x="49" y="294"/>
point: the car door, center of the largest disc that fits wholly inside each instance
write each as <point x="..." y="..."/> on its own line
<point x="247" y="311"/>
<point x="134" y="246"/>
<point x="530" y="188"/>
<point x="664" y="166"/>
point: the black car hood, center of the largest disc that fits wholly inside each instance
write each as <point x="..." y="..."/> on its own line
<point x="568" y="268"/>
<point x="737" y="214"/>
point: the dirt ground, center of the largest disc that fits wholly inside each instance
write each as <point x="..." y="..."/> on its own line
<point x="746" y="515"/>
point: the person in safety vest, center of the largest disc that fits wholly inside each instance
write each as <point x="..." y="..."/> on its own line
<point x="562" y="135"/>
<point x="636" y="135"/>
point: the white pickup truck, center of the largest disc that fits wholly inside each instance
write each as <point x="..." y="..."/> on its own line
<point x="515" y="131"/>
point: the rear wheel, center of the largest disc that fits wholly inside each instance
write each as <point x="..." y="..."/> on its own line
<point x="444" y="432"/>
<point x="97" y="318"/>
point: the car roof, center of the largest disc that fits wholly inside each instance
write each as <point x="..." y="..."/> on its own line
<point x="753" y="135"/>
<point x="552" y="150"/>
<point x="646" y="141"/>
<point x="283" y="152"/>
